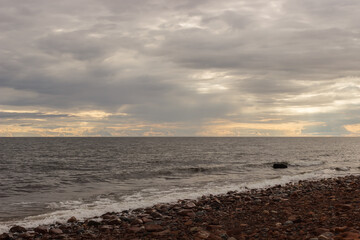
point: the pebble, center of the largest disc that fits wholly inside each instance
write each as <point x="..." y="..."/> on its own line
<point x="288" y="223"/>
<point x="17" y="229"/>
<point x="114" y="221"/>
<point x="41" y="229"/>
<point x="72" y="220"/>
<point x="93" y="223"/>
<point x="55" y="231"/>
<point x="5" y="236"/>
<point x="136" y="229"/>
<point x="153" y="228"/>
<point x="202" y="234"/>
<point x="190" y="205"/>
<point x="326" y="236"/>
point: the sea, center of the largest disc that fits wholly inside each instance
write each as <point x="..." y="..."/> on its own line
<point x="48" y="180"/>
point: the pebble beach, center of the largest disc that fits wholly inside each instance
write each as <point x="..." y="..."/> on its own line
<point x="309" y="209"/>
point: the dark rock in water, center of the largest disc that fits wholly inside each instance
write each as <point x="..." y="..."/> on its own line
<point x="342" y="169"/>
<point x="18" y="229"/>
<point x="280" y="165"/>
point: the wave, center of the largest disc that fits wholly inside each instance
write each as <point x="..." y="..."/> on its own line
<point x="307" y="163"/>
<point x="198" y="169"/>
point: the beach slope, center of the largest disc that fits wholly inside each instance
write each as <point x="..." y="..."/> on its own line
<point x="321" y="209"/>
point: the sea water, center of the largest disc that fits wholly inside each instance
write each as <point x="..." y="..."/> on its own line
<point x="44" y="180"/>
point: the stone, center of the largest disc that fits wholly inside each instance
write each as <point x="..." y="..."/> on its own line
<point x="214" y="227"/>
<point x="293" y="218"/>
<point x="146" y="220"/>
<point x="26" y="235"/>
<point x="137" y="221"/>
<point x="105" y="228"/>
<point x="187" y="212"/>
<point x="115" y="221"/>
<point x="188" y="223"/>
<point x="153" y="228"/>
<point x="5" y="236"/>
<point x="156" y="215"/>
<point x="320" y="231"/>
<point x="72" y="220"/>
<point x="346" y="206"/>
<point x="217" y="200"/>
<point x="194" y="229"/>
<point x="93" y="223"/>
<point x="326" y="236"/>
<point x="202" y="234"/>
<point x="41" y="229"/>
<point x="18" y="229"/>
<point x="136" y="229"/>
<point x="280" y="165"/>
<point x="162" y="233"/>
<point x="191" y="214"/>
<point x="287" y="223"/>
<point x="311" y="214"/>
<point x="107" y="216"/>
<point x="200" y="213"/>
<point x="340" y="229"/>
<point x="55" y="231"/>
<point x="190" y="205"/>
<point x="350" y="235"/>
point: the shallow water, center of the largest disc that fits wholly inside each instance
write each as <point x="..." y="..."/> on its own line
<point x="43" y="180"/>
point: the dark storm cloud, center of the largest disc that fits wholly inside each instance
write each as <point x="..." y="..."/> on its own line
<point x="15" y="115"/>
<point x="297" y="53"/>
<point x="75" y="44"/>
<point x="166" y="61"/>
<point x="176" y="110"/>
<point x="272" y="87"/>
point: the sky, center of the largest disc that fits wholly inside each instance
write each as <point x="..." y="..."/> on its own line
<point x="179" y="68"/>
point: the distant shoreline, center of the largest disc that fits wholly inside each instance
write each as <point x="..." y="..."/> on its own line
<point x="302" y="210"/>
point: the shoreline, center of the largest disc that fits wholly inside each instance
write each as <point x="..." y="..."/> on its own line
<point x="83" y="212"/>
<point x="323" y="209"/>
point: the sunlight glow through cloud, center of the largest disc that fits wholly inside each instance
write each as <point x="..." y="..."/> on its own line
<point x="189" y="68"/>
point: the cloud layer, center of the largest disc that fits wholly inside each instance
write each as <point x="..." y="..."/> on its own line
<point x="134" y="68"/>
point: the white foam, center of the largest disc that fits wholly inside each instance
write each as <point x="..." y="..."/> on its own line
<point x="66" y="204"/>
<point x="149" y="197"/>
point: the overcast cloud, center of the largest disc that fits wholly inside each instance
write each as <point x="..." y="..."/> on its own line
<point x="179" y="68"/>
